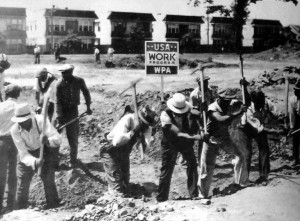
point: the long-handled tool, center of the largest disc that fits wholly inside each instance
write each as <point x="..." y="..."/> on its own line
<point x="72" y="121"/>
<point x="133" y="85"/>
<point x="44" y="113"/>
<point x="201" y="75"/>
<point x="244" y="118"/>
<point x="286" y="109"/>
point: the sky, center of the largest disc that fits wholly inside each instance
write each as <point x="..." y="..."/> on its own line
<point x="287" y="13"/>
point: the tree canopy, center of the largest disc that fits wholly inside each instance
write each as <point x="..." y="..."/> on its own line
<point x="238" y="10"/>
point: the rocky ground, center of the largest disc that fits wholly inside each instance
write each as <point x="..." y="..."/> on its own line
<point x="84" y="190"/>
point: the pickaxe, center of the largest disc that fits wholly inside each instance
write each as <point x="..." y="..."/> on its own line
<point x="72" y="121"/>
<point x="284" y="139"/>
<point x="201" y="67"/>
<point x="133" y="85"/>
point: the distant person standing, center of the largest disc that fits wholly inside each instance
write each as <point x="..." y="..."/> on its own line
<point x="97" y="55"/>
<point x="4" y="65"/>
<point x="37" y="53"/>
<point x="57" y="52"/>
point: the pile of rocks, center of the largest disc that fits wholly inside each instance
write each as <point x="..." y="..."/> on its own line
<point x="276" y="77"/>
<point x="115" y="207"/>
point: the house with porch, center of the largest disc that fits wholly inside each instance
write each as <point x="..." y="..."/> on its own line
<point x="13" y="30"/>
<point x="73" y="30"/>
<point x="184" y="29"/>
<point x="130" y="30"/>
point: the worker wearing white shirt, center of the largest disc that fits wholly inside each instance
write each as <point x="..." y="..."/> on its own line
<point x="45" y="84"/>
<point x="122" y="138"/>
<point x="26" y="134"/>
<point x="37" y="53"/>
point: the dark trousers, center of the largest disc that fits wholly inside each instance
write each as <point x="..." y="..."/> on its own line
<point x="296" y="140"/>
<point x="263" y="147"/>
<point x="169" y="156"/>
<point x="8" y="160"/>
<point x="116" y="164"/>
<point x="37" y="58"/>
<point x="25" y="174"/>
<point x="98" y="59"/>
<point x="72" y="131"/>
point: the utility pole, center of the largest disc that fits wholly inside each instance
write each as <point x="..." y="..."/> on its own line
<point x="51" y="18"/>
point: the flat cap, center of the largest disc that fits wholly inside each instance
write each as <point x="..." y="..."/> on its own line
<point x="39" y="73"/>
<point x="12" y="88"/>
<point x="66" y="67"/>
<point x="226" y="93"/>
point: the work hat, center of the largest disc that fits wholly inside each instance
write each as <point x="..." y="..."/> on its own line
<point x="148" y="116"/>
<point x="66" y="67"/>
<point x="205" y="78"/>
<point x="22" y="113"/>
<point x="40" y="73"/>
<point x="226" y="93"/>
<point x="11" y="89"/>
<point x="178" y="104"/>
<point x="4" y="64"/>
<point x="297" y="85"/>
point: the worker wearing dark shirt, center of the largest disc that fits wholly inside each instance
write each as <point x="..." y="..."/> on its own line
<point x="68" y="99"/>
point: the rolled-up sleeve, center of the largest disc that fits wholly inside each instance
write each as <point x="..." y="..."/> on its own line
<point x="25" y="156"/>
<point x="254" y="122"/>
<point x="121" y="133"/>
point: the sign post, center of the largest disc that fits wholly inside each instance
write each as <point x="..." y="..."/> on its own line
<point x="161" y="58"/>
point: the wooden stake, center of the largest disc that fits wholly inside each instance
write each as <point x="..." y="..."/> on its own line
<point x="201" y="75"/>
<point x="162" y="88"/>
<point x="244" y="118"/>
<point x="286" y="110"/>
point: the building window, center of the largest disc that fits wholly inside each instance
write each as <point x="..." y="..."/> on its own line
<point x="86" y="26"/>
<point x="62" y="25"/>
<point x="118" y="25"/>
<point x="194" y="29"/>
<point x="173" y="28"/>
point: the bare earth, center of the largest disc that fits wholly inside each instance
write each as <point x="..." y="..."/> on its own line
<point x="279" y="200"/>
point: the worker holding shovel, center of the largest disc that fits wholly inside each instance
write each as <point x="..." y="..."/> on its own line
<point x="31" y="133"/>
<point x="294" y="114"/>
<point x="67" y="99"/>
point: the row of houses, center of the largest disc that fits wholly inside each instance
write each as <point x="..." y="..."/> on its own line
<point x="77" y="31"/>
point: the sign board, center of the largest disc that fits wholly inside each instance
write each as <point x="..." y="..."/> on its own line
<point x="161" y="58"/>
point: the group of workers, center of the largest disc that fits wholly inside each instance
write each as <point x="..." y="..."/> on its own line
<point x="23" y="132"/>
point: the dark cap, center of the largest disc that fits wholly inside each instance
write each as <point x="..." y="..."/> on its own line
<point x="66" y="67"/>
<point x="12" y="88"/>
<point x="206" y="78"/>
<point x="41" y="72"/>
<point x="226" y="93"/>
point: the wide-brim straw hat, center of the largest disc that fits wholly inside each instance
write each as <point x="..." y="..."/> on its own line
<point x="178" y="104"/>
<point x="22" y="113"/>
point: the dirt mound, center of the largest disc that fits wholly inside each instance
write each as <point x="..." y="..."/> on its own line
<point x="74" y="187"/>
<point x="276" y="77"/>
<point x="280" y="53"/>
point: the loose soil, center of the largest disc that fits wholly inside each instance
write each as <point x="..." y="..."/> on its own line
<point x="279" y="200"/>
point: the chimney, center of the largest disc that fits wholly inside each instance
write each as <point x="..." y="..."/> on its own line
<point x="66" y="8"/>
<point x="53" y="6"/>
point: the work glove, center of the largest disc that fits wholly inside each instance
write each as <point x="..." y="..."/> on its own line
<point x="244" y="83"/>
<point x="59" y="124"/>
<point x="205" y="137"/>
<point x="39" y="162"/>
<point x="89" y="111"/>
<point x="38" y="110"/>
<point x="44" y="140"/>
<point x="203" y="106"/>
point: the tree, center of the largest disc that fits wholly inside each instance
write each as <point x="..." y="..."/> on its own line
<point x="135" y="37"/>
<point x="238" y="10"/>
